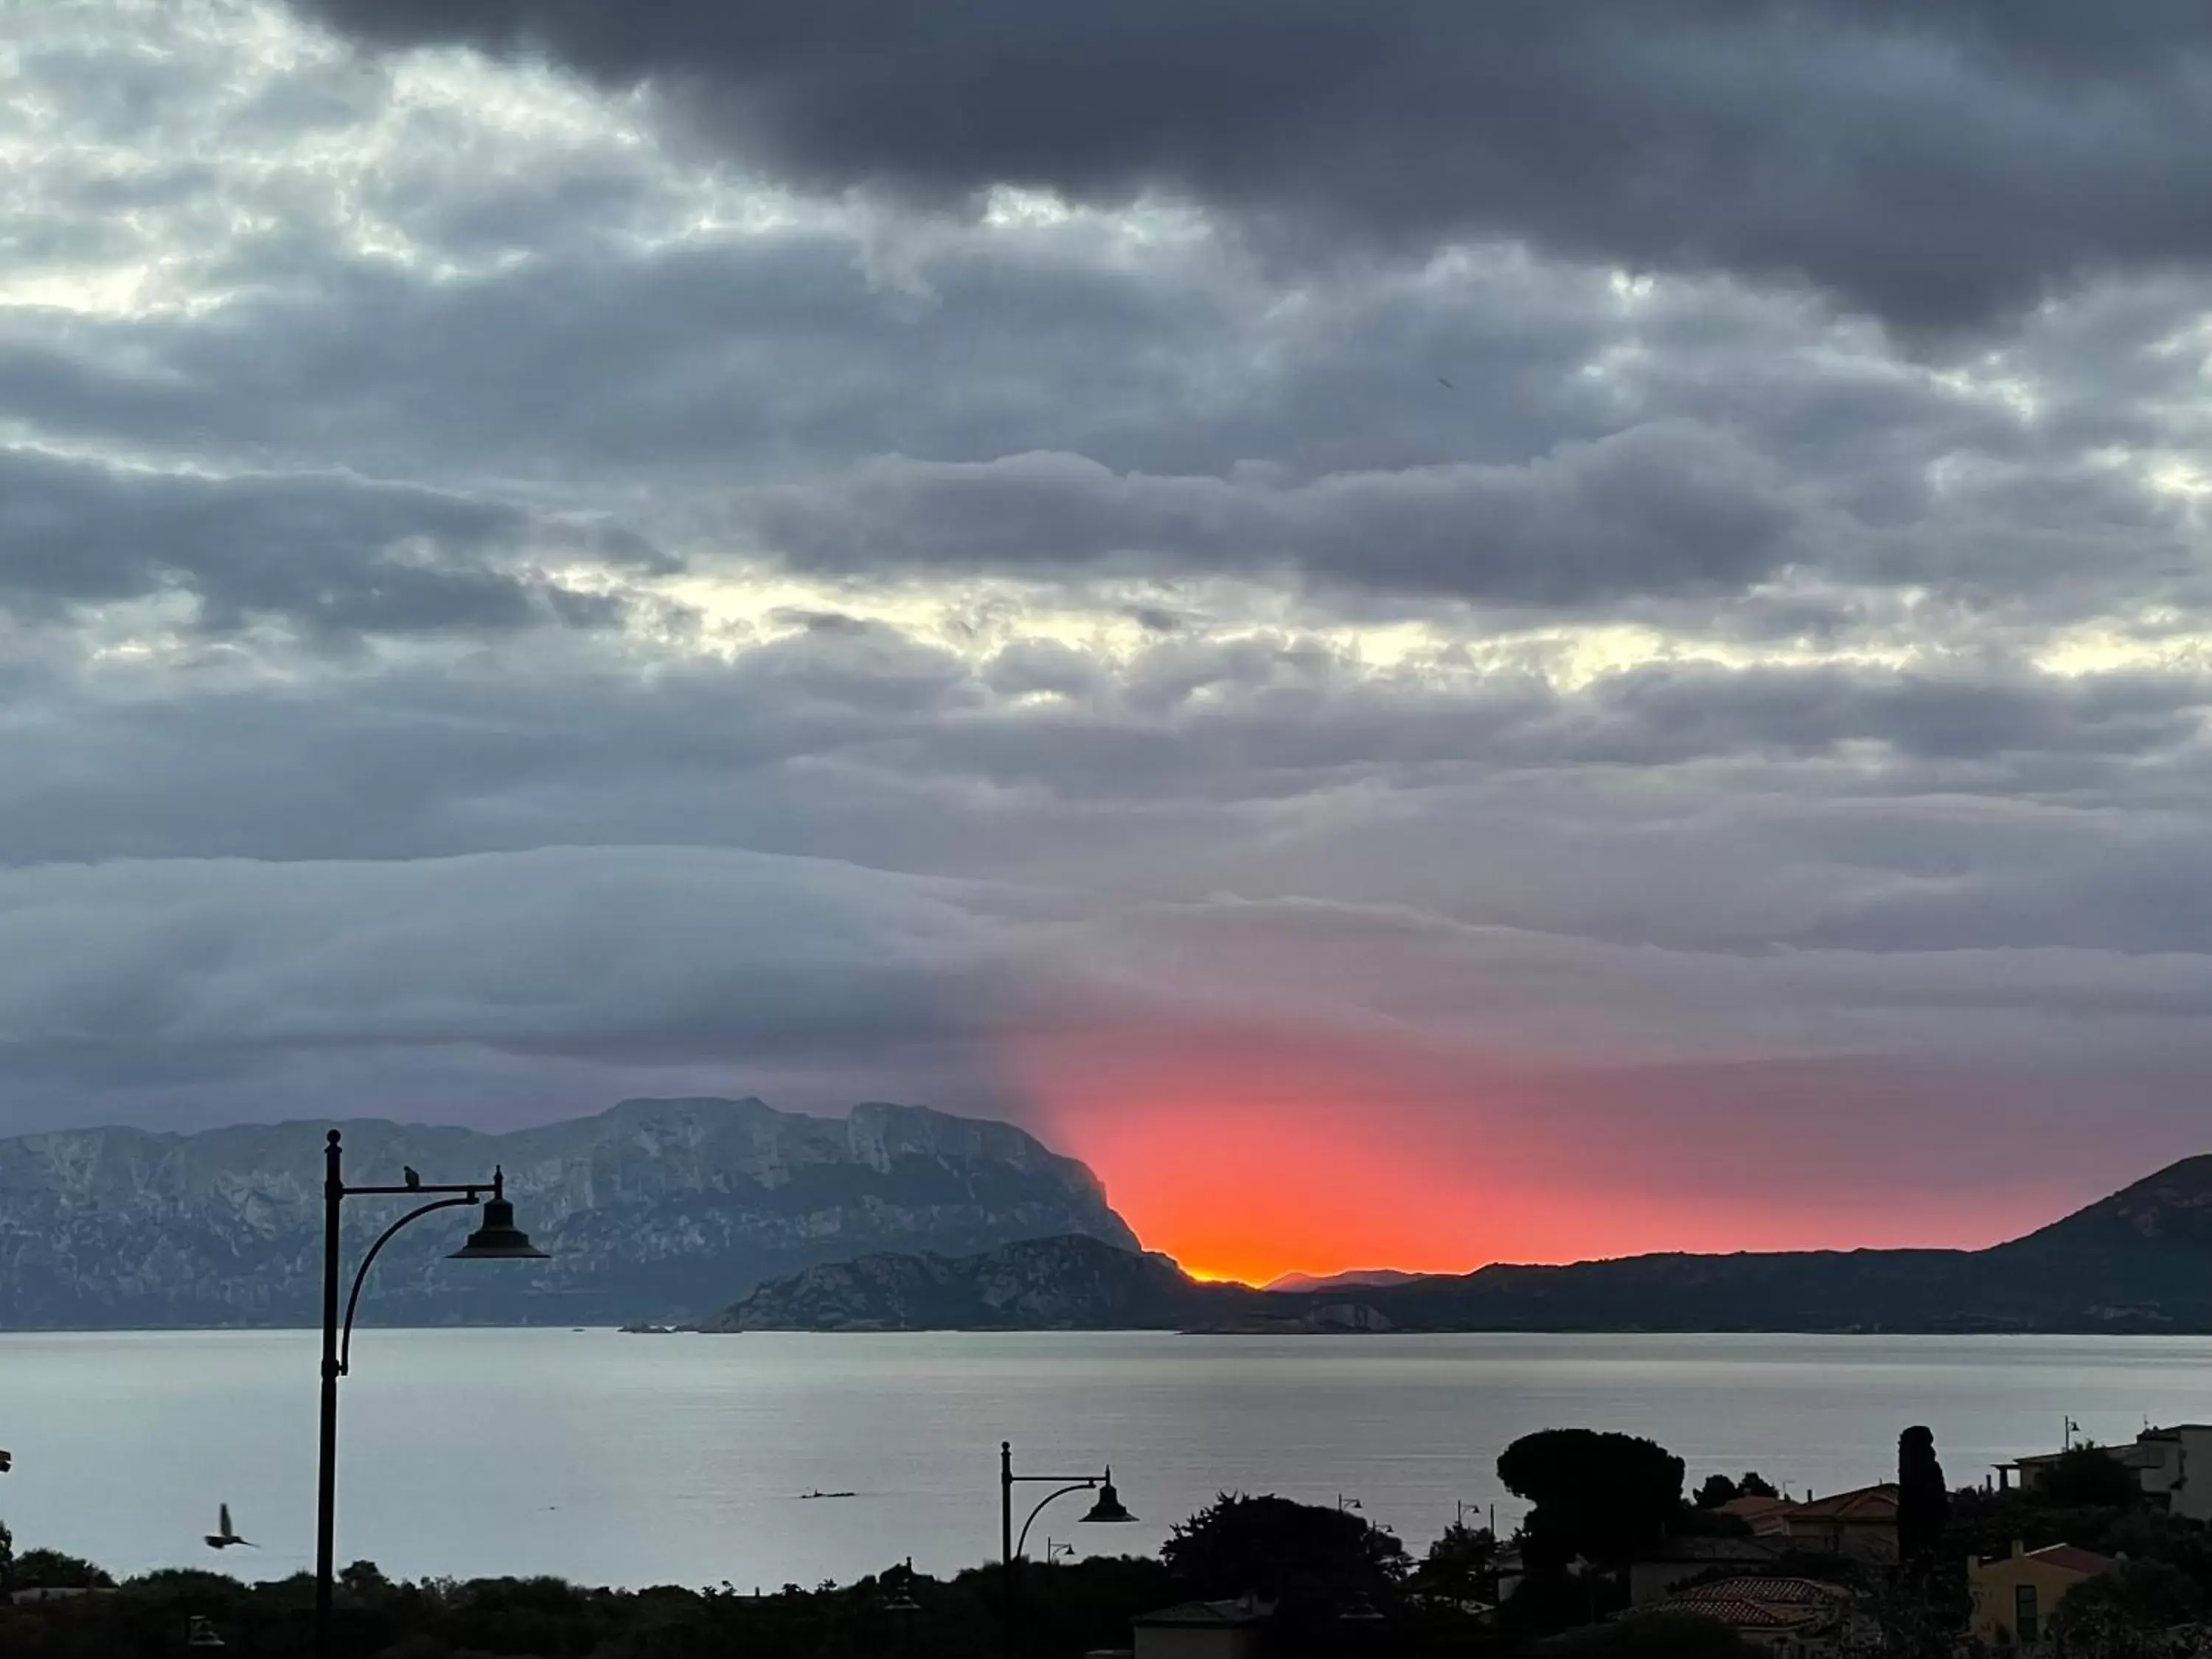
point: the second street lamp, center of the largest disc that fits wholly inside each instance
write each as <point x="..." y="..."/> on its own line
<point x="495" y="1239"/>
<point x="1108" y="1509"/>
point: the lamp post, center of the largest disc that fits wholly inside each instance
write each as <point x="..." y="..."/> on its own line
<point x="1107" y="1510"/>
<point x="497" y="1239"/>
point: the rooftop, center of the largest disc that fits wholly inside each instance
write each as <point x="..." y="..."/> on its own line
<point x="2087" y="1563"/>
<point x="1751" y="1509"/>
<point x="1207" y="1615"/>
<point x="1775" y="1604"/>
<point x="1876" y="1503"/>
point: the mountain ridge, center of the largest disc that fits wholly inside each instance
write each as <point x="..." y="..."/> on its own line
<point x="1038" y="1284"/>
<point x="652" y="1208"/>
<point x="2137" y="1260"/>
<point x="1349" y="1278"/>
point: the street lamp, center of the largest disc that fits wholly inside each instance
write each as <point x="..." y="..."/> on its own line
<point x="496" y="1239"/>
<point x="1106" y="1510"/>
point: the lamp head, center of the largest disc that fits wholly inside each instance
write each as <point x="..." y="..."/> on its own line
<point x="498" y="1239"/>
<point x="1108" y="1508"/>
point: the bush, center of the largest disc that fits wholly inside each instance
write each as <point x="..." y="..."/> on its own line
<point x="2089" y="1476"/>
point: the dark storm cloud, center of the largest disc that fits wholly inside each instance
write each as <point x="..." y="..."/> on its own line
<point x="333" y="556"/>
<point x="1264" y="618"/>
<point x="1933" y="163"/>
<point x="857" y="742"/>
<point x="1663" y="507"/>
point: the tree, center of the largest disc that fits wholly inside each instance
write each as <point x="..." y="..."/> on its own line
<point x="1272" y="1546"/>
<point x="7" y="1557"/>
<point x="2126" y="1612"/>
<point x="1457" y="1562"/>
<point x="2089" y="1476"/>
<point x="1595" y="1495"/>
<point x="1753" y="1485"/>
<point x="1923" y="1501"/>
<point x="1717" y="1490"/>
<point x="52" y="1570"/>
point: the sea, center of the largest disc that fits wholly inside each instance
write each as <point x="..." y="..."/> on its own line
<point x="690" y="1459"/>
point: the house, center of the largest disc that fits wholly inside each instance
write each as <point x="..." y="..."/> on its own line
<point x="2015" y="1595"/>
<point x="1859" y="1525"/>
<point x="1789" y="1618"/>
<point x="1660" y="1568"/>
<point x="1203" y="1630"/>
<point x="2163" y="1461"/>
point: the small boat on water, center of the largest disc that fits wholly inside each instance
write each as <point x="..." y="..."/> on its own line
<point x="818" y="1492"/>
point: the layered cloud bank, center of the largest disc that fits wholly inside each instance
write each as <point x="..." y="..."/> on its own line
<point x="1616" y="611"/>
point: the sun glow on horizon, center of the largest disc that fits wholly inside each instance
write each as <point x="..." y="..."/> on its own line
<point x="1244" y="1158"/>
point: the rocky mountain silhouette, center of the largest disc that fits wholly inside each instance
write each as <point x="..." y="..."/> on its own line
<point x="1041" y="1284"/>
<point x="2140" y="1261"/>
<point x="653" y="1209"/>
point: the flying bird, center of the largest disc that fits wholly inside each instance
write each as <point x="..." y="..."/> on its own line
<point x="407" y="1173"/>
<point x="224" y="1537"/>
<point x="1445" y="384"/>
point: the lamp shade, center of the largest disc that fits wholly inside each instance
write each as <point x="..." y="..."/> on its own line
<point x="1109" y="1506"/>
<point x="498" y="1239"/>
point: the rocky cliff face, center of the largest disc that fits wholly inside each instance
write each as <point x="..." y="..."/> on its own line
<point x="654" y="1209"/>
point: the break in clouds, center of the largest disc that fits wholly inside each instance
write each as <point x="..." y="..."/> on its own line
<point x="551" y="551"/>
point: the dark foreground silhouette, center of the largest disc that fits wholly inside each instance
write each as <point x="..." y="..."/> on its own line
<point x="1311" y="1582"/>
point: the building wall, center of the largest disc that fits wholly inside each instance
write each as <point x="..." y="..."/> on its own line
<point x="2183" y="1472"/>
<point x="2174" y="1464"/>
<point x="1996" y="1585"/>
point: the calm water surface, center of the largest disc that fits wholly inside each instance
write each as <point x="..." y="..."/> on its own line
<point x="639" y="1460"/>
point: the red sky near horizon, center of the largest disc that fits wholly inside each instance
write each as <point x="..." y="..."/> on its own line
<point x="1246" y="1155"/>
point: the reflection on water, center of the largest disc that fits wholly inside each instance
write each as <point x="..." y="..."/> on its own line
<point x="637" y="1460"/>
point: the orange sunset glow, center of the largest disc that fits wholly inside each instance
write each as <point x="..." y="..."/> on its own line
<point x="1245" y="1156"/>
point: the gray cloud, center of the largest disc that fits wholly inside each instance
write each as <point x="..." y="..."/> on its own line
<point x="503" y="603"/>
<point x="1931" y="164"/>
<point x="1663" y="507"/>
<point x="336" y="556"/>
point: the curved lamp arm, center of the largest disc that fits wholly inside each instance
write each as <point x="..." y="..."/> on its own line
<point x="360" y="1273"/>
<point x="1087" y="1484"/>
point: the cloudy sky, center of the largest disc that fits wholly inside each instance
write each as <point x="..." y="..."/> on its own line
<point x="1430" y="631"/>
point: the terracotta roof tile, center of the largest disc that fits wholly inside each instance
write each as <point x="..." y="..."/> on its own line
<point x="1877" y="1502"/>
<point x="1756" y="1603"/>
